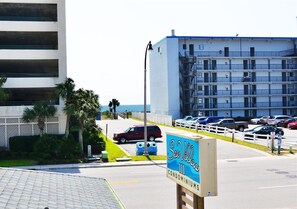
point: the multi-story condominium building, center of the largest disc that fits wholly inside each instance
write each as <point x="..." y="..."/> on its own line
<point x="33" y="59"/>
<point x="224" y="76"/>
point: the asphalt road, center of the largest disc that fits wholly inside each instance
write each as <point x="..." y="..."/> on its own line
<point x="243" y="183"/>
<point x="247" y="178"/>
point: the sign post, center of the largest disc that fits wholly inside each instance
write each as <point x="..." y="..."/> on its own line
<point x="192" y="164"/>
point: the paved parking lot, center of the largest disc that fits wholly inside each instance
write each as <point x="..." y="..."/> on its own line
<point x="110" y="127"/>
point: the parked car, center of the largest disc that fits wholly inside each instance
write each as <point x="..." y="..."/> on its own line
<point x="255" y="120"/>
<point x="292" y="125"/>
<point x="191" y="123"/>
<point x="275" y="120"/>
<point x="179" y="122"/>
<point x="210" y="119"/>
<point x="284" y="123"/>
<point x="263" y="130"/>
<point x="137" y="133"/>
<point x="231" y="124"/>
<point x="263" y="120"/>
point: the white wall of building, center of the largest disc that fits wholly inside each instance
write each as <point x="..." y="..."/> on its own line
<point x="16" y="112"/>
<point x="164" y="78"/>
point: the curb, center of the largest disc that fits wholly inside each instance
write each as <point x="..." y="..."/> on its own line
<point x="92" y="165"/>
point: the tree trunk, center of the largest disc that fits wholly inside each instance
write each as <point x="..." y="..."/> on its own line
<point x="80" y="137"/>
<point x="67" y="126"/>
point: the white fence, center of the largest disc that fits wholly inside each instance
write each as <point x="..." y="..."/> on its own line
<point x="265" y="140"/>
<point x="16" y="127"/>
<point x="155" y="118"/>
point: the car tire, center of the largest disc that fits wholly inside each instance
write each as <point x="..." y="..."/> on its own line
<point x="151" y="138"/>
<point x="122" y="140"/>
<point x="241" y="128"/>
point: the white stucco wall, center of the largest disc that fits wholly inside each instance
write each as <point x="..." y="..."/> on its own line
<point x="164" y="78"/>
<point x="60" y="54"/>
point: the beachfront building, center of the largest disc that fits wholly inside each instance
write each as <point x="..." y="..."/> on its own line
<point x="33" y="59"/>
<point x="223" y="76"/>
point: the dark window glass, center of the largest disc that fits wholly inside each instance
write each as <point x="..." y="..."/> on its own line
<point x="28" y="40"/>
<point x="29" y="68"/>
<point x="29" y="96"/>
<point x="191" y="49"/>
<point x="28" y="12"/>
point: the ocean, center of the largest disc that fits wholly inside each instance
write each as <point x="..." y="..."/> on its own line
<point x="129" y="108"/>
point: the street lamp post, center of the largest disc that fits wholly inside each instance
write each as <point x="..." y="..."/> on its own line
<point x="148" y="47"/>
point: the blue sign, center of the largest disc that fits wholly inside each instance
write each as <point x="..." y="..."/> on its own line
<point x="183" y="156"/>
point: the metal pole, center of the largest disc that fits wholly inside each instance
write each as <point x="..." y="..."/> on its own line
<point x="145" y="152"/>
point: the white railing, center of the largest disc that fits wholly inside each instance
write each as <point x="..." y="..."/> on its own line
<point x="261" y="139"/>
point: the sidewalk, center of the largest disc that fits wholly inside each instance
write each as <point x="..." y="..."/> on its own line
<point x="92" y="165"/>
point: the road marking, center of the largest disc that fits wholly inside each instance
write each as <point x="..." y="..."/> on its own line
<point x="125" y="182"/>
<point x="281" y="186"/>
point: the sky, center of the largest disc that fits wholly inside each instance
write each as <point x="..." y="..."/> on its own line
<point x="106" y="39"/>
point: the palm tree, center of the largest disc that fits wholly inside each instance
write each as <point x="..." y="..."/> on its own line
<point x="113" y="104"/>
<point x="67" y="91"/>
<point x="86" y="107"/>
<point x="3" y="94"/>
<point x="40" y="111"/>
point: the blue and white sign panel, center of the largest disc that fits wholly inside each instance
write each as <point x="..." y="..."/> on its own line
<point x="186" y="163"/>
<point x="183" y="156"/>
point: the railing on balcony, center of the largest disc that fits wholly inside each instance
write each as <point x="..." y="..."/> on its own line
<point x="200" y="67"/>
<point x="258" y="92"/>
<point x="250" y="105"/>
<point x="220" y="53"/>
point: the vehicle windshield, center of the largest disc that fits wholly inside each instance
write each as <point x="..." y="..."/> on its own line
<point x="127" y="130"/>
<point x="257" y="128"/>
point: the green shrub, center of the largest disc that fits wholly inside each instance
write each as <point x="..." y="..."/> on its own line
<point x="69" y="149"/>
<point x="22" y="143"/>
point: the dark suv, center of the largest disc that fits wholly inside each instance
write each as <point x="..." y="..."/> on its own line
<point x="137" y="132"/>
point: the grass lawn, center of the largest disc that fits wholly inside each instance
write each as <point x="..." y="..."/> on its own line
<point x="114" y="151"/>
<point x="10" y="163"/>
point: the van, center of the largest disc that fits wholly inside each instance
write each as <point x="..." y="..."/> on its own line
<point x="210" y="119"/>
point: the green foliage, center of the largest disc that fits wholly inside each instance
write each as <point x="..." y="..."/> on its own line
<point x="52" y="149"/>
<point x="69" y="149"/>
<point x="40" y="111"/>
<point x="91" y="137"/>
<point x="47" y="147"/>
<point x="22" y="143"/>
<point x="3" y="93"/>
<point x="113" y="104"/>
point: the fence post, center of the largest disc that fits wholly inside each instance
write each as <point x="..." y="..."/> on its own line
<point x="272" y="136"/>
<point x="233" y="132"/>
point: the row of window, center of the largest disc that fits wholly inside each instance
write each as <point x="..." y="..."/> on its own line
<point x="29" y="96"/>
<point x="28" y="12"/>
<point x="29" y="68"/>
<point x="28" y="40"/>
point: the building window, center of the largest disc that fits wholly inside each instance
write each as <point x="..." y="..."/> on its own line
<point x="28" y="40"/>
<point x="29" y="96"/>
<point x="184" y="46"/>
<point x="252" y="51"/>
<point x="28" y="12"/>
<point x="226" y="51"/>
<point x="191" y="46"/>
<point x="29" y="68"/>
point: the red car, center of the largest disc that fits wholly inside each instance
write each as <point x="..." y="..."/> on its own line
<point x="284" y="123"/>
<point x="292" y="125"/>
<point x="137" y="132"/>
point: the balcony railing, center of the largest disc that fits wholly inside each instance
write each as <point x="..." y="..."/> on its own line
<point x="242" y="105"/>
<point x="220" y="53"/>
<point x="258" y="92"/>
<point x="200" y="67"/>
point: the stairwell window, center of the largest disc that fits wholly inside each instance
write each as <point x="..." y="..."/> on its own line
<point x="191" y="46"/>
